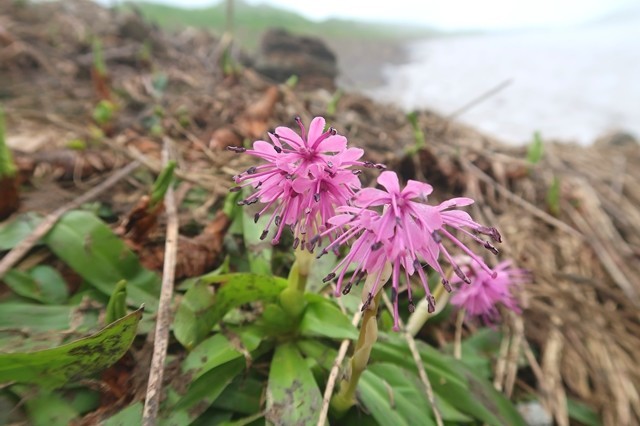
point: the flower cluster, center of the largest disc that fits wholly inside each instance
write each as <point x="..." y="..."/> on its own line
<point x="308" y="183"/>
<point x="396" y="230"/>
<point x="303" y="179"/>
<point x="482" y="297"/>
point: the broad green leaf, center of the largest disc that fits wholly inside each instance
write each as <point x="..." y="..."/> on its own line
<point x="235" y="290"/>
<point x="203" y="392"/>
<point x="478" y="349"/>
<point x="34" y="318"/>
<point x="323" y="318"/>
<point x="293" y="396"/>
<point x="191" y="323"/>
<point x="315" y="349"/>
<point x="51" y="368"/>
<point x="319" y="270"/>
<point x="218" y="350"/>
<point x="583" y="413"/>
<point x="452" y="381"/>
<point x="7" y="165"/>
<point x="41" y="283"/>
<point x="243" y="395"/>
<point x="131" y="415"/>
<point x="92" y="250"/>
<point x="48" y="409"/>
<point x="117" y="306"/>
<point x="17" y="230"/>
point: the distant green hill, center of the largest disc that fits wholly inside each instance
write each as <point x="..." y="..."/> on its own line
<point x="251" y="21"/>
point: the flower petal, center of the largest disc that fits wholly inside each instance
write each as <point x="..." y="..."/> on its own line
<point x="290" y="137"/>
<point x="389" y="180"/>
<point x="416" y="189"/>
<point x="371" y="197"/>
<point x="335" y="143"/>
<point x="455" y="202"/>
<point x="316" y="128"/>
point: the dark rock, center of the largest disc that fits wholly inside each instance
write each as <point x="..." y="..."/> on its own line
<point x="283" y="54"/>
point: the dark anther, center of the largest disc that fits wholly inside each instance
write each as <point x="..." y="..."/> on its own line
<point x="316" y="197"/>
<point x="432" y="303"/>
<point x="491" y="248"/>
<point x="366" y="304"/>
<point x="236" y="149"/>
<point x="252" y="201"/>
<point x="252" y="170"/>
<point x="311" y="246"/>
<point x="278" y="220"/>
<point x="322" y="253"/>
<point x="359" y="277"/>
<point x="461" y="274"/>
<point x="491" y="232"/>
<point x="333" y="131"/>
<point x="394" y="294"/>
<point x="277" y="149"/>
<point x="417" y="264"/>
<point x="368" y="164"/>
<point x="264" y="234"/>
<point x="356" y="172"/>
<point x="288" y="176"/>
<point x="412" y="307"/>
<point x="376" y="246"/>
<point x="329" y="164"/>
<point x="241" y="202"/>
<point x="347" y="289"/>
<point x="446" y="285"/>
<point x="380" y="166"/>
<point x="296" y="242"/>
<point x="436" y="237"/>
<point x="256" y="218"/>
<point x="236" y="189"/>
<point x="329" y="277"/>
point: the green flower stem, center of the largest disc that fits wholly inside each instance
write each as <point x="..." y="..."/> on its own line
<point x="421" y="315"/>
<point x="346" y="396"/>
<point x="292" y="297"/>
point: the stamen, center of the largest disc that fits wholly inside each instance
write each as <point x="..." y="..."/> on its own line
<point x="432" y="303"/>
<point x="329" y="277"/>
<point x="366" y="304"/>
<point x="346" y="289"/>
<point x="264" y="234"/>
<point x="236" y="149"/>
<point x="376" y="246"/>
<point x="296" y="241"/>
<point x="436" y="237"/>
<point x="256" y="218"/>
<point x="447" y="286"/>
<point x="235" y="189"/>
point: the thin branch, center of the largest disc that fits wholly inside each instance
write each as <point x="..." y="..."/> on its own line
<point x="161" y="338"/>
<point x="335" y="369"/>
<point x="52" y="218"/>
<point x="418" y="360"/>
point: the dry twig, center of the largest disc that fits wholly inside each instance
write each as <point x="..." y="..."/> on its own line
<point x="161" y="338"/>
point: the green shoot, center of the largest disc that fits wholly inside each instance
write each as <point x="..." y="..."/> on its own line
<point x="535" y="150"/>
<point x="7" y="166"/>
<point x="161" y="185"/>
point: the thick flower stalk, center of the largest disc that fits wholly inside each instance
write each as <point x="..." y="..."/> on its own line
<point x="485" y="294"/>
<point x="396" y="228"/>
<point x="302" y="179"/>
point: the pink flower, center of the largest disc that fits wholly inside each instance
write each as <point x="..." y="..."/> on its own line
<point x="481" y="298"/>
<point x="396" y="228"/>
<point x="303" y="178"/>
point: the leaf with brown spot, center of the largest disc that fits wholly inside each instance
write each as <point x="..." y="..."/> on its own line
<point x="52" y="368"/>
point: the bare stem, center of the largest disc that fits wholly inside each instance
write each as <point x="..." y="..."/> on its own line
<point x="161" y="338"/>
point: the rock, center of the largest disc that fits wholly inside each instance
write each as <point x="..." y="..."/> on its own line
<point x="534" y="414"/>
<point x="283" y="54"/>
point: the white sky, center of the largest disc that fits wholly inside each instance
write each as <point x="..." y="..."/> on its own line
<point x="448" y="14"/>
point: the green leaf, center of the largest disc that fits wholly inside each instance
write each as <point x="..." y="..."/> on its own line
<point x="218" y="350"/>
<point x="235" y="290"/>
<point x="52" y="368"/>
<point x="49" y="409"/>
<point x="293" y="396"/>
<point x="35" y="318"/>
<point x="131" y="415"/>
<point x="259" y="251"/>
<point x="42" y="283"/>
<point x="7" y="166"/>
<point x="583" y="413"/>
<point x="17" y="230"/>
<point x="452" y="381"/>
<point x="191" y="323"/>
<point x="93" y="251"/>
<point x="117" y="306"/>
<point x="323" y="318"/>
<point x="553" y="197"/>
<point x="393" y="402"/>
<point x="535" y="150"/>
<point x="317" y="350"/>
<point x="162" y="183"/>
<point x="243" y="395"/>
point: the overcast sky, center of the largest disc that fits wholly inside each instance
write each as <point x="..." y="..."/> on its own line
<point x="448" y="14"/>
